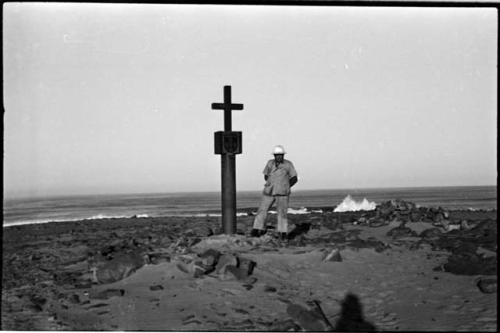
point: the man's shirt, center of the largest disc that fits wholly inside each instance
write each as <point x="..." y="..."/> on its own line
<point x="278" y="181"/>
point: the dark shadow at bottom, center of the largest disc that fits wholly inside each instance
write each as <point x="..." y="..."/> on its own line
<point x="351" y="317"/>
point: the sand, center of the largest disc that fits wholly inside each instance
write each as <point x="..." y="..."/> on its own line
<point x="46" y="280"/>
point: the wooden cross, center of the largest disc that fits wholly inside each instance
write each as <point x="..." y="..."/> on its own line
<point x="227" y="106"/>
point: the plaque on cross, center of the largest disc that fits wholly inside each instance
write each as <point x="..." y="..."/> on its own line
<point x="228" y="143"/>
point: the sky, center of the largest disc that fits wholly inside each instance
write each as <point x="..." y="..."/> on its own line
<point x="116" y="98"/>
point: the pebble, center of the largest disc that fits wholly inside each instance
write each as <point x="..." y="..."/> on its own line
<point x="388" y="321"/>
<point x="156" y="287"/>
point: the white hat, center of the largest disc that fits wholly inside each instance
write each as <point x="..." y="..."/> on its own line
<point x="278" y="150"/>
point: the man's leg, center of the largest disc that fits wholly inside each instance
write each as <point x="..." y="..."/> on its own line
<point x="282" y="209"/>
<point x="259" y="222"/>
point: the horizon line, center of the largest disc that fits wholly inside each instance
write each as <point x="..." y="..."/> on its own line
<point x="14" y="197"/>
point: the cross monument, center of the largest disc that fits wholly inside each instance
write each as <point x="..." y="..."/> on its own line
<point x="228" y="144"/>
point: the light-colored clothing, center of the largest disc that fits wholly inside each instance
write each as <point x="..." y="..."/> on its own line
<point x="278" y="181"/>
<point x="276" y="190"/>
<point x="281" y="208"/>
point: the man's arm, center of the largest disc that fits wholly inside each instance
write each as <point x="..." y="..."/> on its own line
<point x="293" y="180"/>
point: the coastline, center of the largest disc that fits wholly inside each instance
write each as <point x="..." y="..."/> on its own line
<point x="241" y="212"/>
<point x="404" y="275"/>
<point x="75" y="208"/>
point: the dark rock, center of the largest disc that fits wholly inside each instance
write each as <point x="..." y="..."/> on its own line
<point x="247" y="265"/>
<point x="466" y="247"/>
<point x="199" y="269"/>
<point x="415" y="216"/>
<point x="471" y="264"/>
<point x="108" y="293"/>
<point x="120" y="267"/>
<point x="225" y="260"/>
<point x="331" y="222"/>
<point x="238" y="273"/>
<point x="299" y="229"/>
<point x="75" y="299"/>
<point x="333" y="255"/>
<point x="38" y="300"/>
<point x="156" y="287"/>
<point x="95" y="306"/>
<point x="307" y="319"/>
<point x="35" y="257"/>
<point x="298" y="241"/>
<point x="401" y="231"/>
<point x="270" y="289"/>
<point x="487" y="285"/>
<point x="200" y="231"/>
<point x="33" y="307"/>
<point x="485" y="228"/>
<point x="438" y="218"/>
<point x="371" y="242"/>
<point x="431" y="233"/>
<point x="287" y="325"/>
<point x="375" y="223"/>
<point x="457" y="243"/>
<point x="182" y="267"/>
<point x="83" y="285"/>
<point x="158" y="258"/>
<point x="210" y="257"/>
<point x="247" y="286"/>
<point x="362" y="220"/>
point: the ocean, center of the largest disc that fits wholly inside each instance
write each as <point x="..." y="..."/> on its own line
<point x="71" y="208"/>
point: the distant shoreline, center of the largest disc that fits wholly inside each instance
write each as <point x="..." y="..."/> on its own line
<point x="100" y="207"/>
<point x="152" y="194"/>
<point x="215" y="214"/>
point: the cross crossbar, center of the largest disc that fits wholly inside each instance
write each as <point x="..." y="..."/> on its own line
<point x="227" y="106"/>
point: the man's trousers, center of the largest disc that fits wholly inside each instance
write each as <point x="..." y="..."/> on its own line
<point x="281" y="208"/>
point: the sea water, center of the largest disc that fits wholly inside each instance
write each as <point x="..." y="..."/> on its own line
<point x="71" y="208"/>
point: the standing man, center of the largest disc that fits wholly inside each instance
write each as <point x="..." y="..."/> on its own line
<point x="280" y="176"/>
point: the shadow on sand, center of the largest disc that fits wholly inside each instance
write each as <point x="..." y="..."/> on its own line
<point x="300" y="229"/>
<point x="351" y="316"/>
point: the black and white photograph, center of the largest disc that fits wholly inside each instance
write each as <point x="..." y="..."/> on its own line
<point x="249" y="167"/>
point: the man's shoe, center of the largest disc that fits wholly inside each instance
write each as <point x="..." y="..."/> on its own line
<point x="256" y="233"/>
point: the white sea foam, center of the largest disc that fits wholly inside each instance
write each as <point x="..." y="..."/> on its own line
<point x="200" y="215"/>
<point x="91" y="218"/>
<point x="42" y="221"/>
<point x="292" y="211"/>
<point x="300" y="211"/>
<point x="350" y="205"/>
<point x="141" y="216"/>
<point x="102" y="216"/>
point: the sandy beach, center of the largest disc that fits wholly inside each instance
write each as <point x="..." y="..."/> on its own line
<point x="397" y="268"/>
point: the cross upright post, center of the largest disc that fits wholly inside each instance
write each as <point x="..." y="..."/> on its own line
<point x="228" y="144"/>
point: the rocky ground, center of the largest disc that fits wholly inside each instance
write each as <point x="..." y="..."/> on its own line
<point x="398" y="268"/>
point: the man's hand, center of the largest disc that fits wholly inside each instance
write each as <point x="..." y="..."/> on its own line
<point x="293" y="180"/>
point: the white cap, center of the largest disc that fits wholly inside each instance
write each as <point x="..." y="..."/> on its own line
<point x="278" y="150"/>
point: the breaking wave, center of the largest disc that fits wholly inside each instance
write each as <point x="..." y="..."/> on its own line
<point x="350" y="205"/>
<point x="300" y="211"/>
<point x="74" y="219"/>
